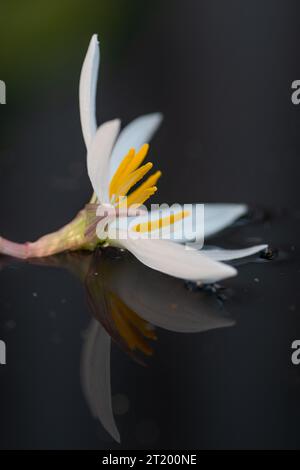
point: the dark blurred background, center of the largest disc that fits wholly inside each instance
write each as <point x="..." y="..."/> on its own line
<point x="221" y="74"/>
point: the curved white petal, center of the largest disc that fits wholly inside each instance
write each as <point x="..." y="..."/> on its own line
<point x="134" y="135"/>
<point x="186" y="229"/>
<point x="177" y="260"/>
<point x="98" y="157"/>
<point x="219" y="216"/>
<point x="87" y="90"/>
<point x="227" y="255"/>
<point x="196" y="225"/>
<point x="95" y="376"/>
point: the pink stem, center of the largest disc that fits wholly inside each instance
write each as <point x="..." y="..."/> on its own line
<point x="17" y="250"/>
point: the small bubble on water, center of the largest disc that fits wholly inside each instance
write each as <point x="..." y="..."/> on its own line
<point x="34" y="294"/>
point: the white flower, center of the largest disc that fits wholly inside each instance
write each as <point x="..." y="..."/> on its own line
<point x="114" y="164"/>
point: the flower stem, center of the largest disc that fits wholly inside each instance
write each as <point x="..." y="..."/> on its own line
<point x="70" y="237"/>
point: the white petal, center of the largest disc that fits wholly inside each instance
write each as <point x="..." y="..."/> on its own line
<point x="187" y="229"/>
<point x="95" y="376"/>
<point x="219" y="216"/>
<point x="134" y="135"/>
<point x="87" y="90"/>
<point x="98" y="157"/>
<point x="177" y="260"/>
<point x="193" y="227"/>
<point x="227" y="255"/>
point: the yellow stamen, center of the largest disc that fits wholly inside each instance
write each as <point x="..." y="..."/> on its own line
<point x="128" y="174"/>
<point x="117" y="178"/>
<point x="141" y="197"/>
<point x="137" y="196"/>
<point x="161" y="222"/>
<point x="138" y="159"/>
<point x="132" y="179"/>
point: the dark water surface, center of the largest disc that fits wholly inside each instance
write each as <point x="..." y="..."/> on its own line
<point x="218" y="374"/>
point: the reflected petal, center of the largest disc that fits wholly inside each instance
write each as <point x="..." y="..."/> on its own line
<point x="164" y="301"/>
<point x="95" y="375"/>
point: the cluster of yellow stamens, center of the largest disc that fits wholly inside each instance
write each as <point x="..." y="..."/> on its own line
<point x="128" y="174"/>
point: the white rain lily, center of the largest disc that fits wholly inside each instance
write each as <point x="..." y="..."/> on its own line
<point x="115" y="165"/>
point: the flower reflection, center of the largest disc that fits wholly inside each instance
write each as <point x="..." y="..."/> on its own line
<point x="128" y="300"/>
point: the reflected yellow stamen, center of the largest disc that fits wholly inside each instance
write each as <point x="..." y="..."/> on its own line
<point x="131" y="327"/>
<point x="160" y="223"/>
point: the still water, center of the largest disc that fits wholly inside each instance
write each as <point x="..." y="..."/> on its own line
<point x="101" y="349"/>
